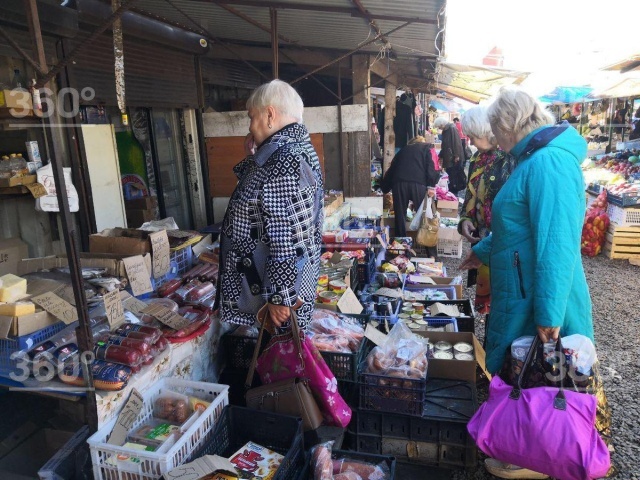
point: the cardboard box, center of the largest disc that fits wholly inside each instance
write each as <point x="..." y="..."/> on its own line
<point x="448" y="208"/>
<point x="17" y="181"/>
<point x="456" y="369"/>
<point x="144" y="203"/>
<point x="332" y="203"/>
<point x="113" y="263"/>
<point x="449" y="233"/>
<point x="440" y="281"/>
<point x="121" y="241"/>
<point x="26" y="324"/>
<point x="12" y="251"/>
<point x="135" y="218"/>
<point x="18" y="99"/>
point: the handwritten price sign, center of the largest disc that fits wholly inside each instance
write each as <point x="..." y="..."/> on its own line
<point x="138" y="274"/>
<point x="161" y="253"/>
<point x="57" y="307"/>
<point x="113" y="307"/>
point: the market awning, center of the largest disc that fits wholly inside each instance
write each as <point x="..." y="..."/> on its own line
<point x="629" y="87"/>
<point x="475" y="83"/>
<point x="626" y="65"/>
<point x="446" y="105"/>
<point x="562" y="95"/>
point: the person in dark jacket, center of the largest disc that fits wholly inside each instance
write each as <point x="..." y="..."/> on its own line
<point x="411" y="172"/>
<point x="451" y="154"/>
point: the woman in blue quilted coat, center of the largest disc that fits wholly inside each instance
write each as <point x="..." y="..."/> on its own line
<point x="538" y="284"/>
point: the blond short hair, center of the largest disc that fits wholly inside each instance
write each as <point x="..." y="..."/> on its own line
<point x="280" y="95"/>
<point x="418" y="139"/>
<point x="517" y="113"/>
<point x="475" y="123"/>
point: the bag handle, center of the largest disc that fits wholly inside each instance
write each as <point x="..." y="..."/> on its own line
<point x="295" y="328"/>
<point x="560" y="401"/>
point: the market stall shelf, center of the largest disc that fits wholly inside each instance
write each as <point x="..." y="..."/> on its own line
<point x="622" y="242"/>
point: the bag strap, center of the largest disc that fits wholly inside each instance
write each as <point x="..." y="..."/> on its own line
<point x="295" y="329"/>
<point x="560" y="401"/>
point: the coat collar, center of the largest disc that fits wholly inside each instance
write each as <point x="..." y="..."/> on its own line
<point x="292" y="133"/>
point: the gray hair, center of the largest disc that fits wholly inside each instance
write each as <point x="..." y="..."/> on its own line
<point x="475" y="123"/>
<point x="516" y="112"/>
<point x="280" y="95"/>
<point x="440" y="122"/>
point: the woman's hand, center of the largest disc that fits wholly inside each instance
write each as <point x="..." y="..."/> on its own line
<point x="249" y="145"/>
<point x="279" y="314"/>
<point x="472" y="261"/>
<point x="431" y="192"/>
<point x="467" y="229"/>
<point x="547" y="334"/>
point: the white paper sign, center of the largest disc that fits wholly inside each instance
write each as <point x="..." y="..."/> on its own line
<point x="138" y="274"/>
<point x="349" y="303"/>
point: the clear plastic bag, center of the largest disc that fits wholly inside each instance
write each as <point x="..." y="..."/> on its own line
<point x="404" y="354"/>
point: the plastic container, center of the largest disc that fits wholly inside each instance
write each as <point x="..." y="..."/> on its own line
<point x="466" y="321"/>
<point x="624" y="200"/>
<point x="112" y="461"/>
<point x="449" y="248"/>
<point x="438" y="438"/>
<point x="623" y="217"/>
<point x="345" y="365"/>
<point x="238" y="350"/>
<point x="11" y="346"/>
<point x="280" y="433"/>
<point x="384" y="393"/>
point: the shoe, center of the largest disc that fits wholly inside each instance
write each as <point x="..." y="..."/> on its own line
<point x="505" y="470"/>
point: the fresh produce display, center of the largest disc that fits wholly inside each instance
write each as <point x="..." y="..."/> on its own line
<point x="595" y="226"/>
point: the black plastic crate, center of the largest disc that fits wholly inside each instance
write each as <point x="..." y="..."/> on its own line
<point x="344" y="366"/>
<point x="387" y="460"/>
<point x="238" y="350"/>
<point x="236" y="379"/>
<point x="280" y="433"/>
<point x="466" y="321"/>
<point x="365" y="270"/>
<point x="438" y="438"/>
<point x="391" y="394"/>
<point x="350" y="392"/>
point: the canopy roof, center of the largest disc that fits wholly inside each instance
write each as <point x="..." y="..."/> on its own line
<point x="562" y="95"/>
<point x="475" y="83"/>
<point x="626" y="65"/>
<point x="629" y="87"/>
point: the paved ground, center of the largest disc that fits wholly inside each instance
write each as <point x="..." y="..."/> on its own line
<point x="615" y="293"/>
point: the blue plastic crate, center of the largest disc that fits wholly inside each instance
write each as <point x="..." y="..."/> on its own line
<point x="449" y="290"/>
<point x="181" y="261"/>
<point x="16" y="344"/>
<point x="442" y="322"/>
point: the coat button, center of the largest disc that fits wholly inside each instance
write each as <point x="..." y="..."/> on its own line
<point x="247" y="262"/>
<point x="276" y="299"/>
<point x="255" y="289"/>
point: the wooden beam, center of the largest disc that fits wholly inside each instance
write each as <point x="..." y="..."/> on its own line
<point x="348" y="54"/>
<point x="370" y="21"/>
<point x="354" y="12"/>
<point x="390" y="87"/>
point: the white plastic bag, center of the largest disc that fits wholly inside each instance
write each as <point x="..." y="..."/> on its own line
<point x="49" y="203"/>
<point x="417" y="218"/>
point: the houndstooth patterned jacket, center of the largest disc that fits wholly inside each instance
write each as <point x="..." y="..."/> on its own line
<point x="272" y="231"/>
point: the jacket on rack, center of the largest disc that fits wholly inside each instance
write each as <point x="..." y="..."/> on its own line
<point x="272" y="230"/>
<point x="533" y="251"/>
<point x="411" y="164"/>
<point x="451" y="146"/>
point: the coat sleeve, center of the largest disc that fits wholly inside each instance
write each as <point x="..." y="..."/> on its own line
<point x="556" y="228"/>
<point x="280" y="201"/>
<point x="468" y="197"/>
<point x="430" y="167"/>
<point x="386" y="184"/>
<point x="482" y="249"/>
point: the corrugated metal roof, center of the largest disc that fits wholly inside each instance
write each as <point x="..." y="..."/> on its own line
<point x="317" y="29"/>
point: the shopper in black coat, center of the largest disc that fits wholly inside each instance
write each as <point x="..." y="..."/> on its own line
<point x="412" y="170"/>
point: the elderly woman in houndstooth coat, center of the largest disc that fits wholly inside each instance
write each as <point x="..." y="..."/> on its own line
<point x="272" y="231"/>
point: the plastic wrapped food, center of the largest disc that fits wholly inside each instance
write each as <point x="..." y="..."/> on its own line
<point x="403" y="355"/>
<point x="326" y="323"/>
<point x="183" y="291"/>
<point x="169" y="287"/>
<point x="172" y="408"/>
<point x="321" y="464"/>
<point x="363" y="470"/>
<point x="163" y="302"/>
<point x="197" y="316"/>
<point x="140" y="345"/>
<point x="118" y="354"/>
<point x="106" y="375"/>
<point x="194" y="272"/>
<point x="151" y="334"/>
<point x="330" y="343"/>
<point x="200" y="292"/>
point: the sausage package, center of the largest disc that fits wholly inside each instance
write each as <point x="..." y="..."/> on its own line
<point x="106" y="375"/>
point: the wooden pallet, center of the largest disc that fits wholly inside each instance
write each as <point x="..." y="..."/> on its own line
<point x="622" y="242"/>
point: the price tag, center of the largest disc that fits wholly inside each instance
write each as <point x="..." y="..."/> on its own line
<point x="349" y="303"/>
<point x="161" y="253"/>
<point x="132" y="304"/>
<point x="113" y="308"/>
<point x="375" y="335"/>
<point x="57" y="307"/>
<point x="167" y="317"/>
<point x="37" y="190"/>
<point x="126" y="418"/>
<point x="138" y="274"/>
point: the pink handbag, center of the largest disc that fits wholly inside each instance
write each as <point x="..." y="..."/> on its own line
<point x="545" y="429"/>
<point x="284" y="358"/>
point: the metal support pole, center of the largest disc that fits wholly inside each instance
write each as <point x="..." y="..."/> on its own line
<point x="611" y="113"/>
<point x="204" y="159"/>
<point x="84" y="334"/>
<point x="273" y="13"/>
<point x="346" y="173"/>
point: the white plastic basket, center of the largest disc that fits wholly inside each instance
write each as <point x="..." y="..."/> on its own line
<point x="112" y="462"/>
<point x="623" y="217"/>
<point x="449" y="248"/>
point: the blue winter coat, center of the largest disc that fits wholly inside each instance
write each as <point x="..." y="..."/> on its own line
<point x="537" y="277"/>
